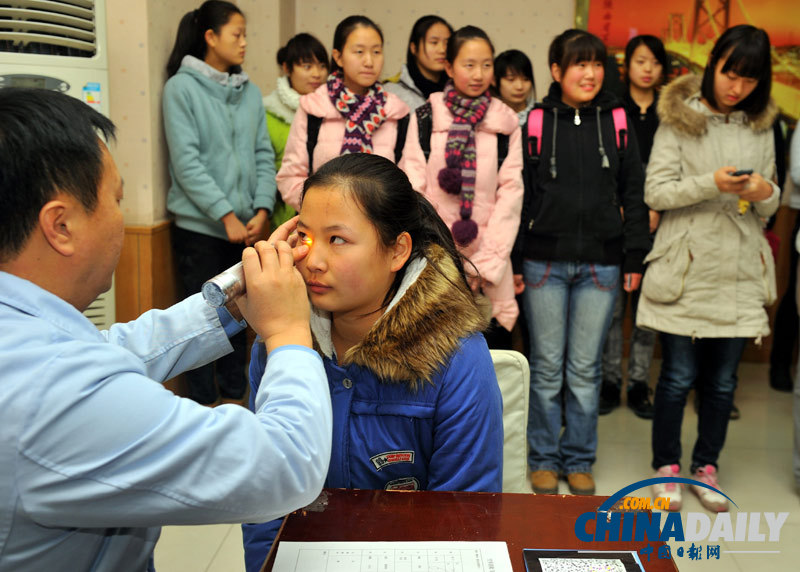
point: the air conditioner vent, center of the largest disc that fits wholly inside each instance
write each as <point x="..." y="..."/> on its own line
<point x="50" y="27"/>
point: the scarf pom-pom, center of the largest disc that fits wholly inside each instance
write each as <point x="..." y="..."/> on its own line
<point x="450" y="180"/>
<point x="465" y="231"/>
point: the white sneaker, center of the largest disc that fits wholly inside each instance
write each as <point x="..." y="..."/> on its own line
<point x="713" y="501"/>
<point x="672" y="491"/>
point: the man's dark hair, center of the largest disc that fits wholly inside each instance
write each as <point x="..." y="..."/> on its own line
<point x="48" y="143"/>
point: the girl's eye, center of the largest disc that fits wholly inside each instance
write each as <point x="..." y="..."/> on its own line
<point x="337" y="240"/>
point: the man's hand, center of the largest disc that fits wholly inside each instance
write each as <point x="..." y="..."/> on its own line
<point x="257" y="227"/>
<point x="276" y="304"/>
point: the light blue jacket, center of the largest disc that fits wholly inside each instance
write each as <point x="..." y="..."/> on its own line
<point x="220" y="157"/>
<point x="95" y="456"/>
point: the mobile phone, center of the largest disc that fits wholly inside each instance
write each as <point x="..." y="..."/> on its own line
<point x="741" y="172"/>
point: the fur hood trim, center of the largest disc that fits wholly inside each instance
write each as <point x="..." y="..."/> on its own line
<point x="680" y="107"/>
<point x="422" y="327"/>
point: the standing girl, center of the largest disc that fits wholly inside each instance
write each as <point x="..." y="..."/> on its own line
<point x="476" y="197"/>
<point x="221" y="164"/>
<point x="514" y="82"/>
<point x="352" y="111"/>
<point x="575" y="241"/>
<point x="415" y="399"/>
<point x="304" y="62"/>
<point x="711" y="271"/>
<point x="423" y="72"/>
<point x="646" y="68"/>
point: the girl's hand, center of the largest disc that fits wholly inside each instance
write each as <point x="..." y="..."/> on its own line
<point x="236" y="231"/>
<point x="756" y="190"/>
<point x="726" y="183"/>
<point x="632" y="281"/>
<point x="276" y="304"/>
<point x="519" y="284"/>
<point x="257" y="227"/>
<point x="655" y="218"/>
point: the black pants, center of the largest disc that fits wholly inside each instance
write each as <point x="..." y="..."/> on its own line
<point x="786" y="319"/>
<point x="199" y="258"/>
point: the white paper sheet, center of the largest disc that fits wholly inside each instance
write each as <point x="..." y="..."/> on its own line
<point x="392" y="557"/>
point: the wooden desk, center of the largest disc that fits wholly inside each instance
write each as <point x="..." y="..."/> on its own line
<point x="522" y="521"/>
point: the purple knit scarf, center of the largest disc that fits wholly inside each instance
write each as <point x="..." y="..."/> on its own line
<point x="363" y="114"/>
<point x="458" y="177"/>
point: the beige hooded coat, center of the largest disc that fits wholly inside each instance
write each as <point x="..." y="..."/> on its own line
<point x="711" y="271"/>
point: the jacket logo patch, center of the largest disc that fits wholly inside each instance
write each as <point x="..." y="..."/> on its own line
<point x="392" y="458"/>
<point x="404" y="484"/>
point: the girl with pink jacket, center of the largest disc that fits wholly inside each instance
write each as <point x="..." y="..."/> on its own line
<point x="480" y="202"/>
<point x="357" y="114"/>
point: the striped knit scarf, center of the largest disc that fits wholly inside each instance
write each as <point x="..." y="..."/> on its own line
<point x="363" y="114"/>
<point x="458" y="177"/>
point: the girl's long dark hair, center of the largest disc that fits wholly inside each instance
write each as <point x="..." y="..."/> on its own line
<point x="747" y="52"/>
<point x="420" y="30"/>
<point x="385" y="195"/>
<point x="343" y="31"/>
<point x="190" y="39"/>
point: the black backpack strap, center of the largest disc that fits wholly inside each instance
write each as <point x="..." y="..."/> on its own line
<point x="425" y="125"/>
<point x="400" y="142"/>
<point x="502" y="149"/>
<point x="314" y="123"/>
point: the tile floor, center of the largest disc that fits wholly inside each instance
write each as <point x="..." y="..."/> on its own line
<point x="755" y="471"/>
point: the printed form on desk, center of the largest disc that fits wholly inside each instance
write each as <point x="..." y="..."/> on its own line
<point x="392" y="557"/>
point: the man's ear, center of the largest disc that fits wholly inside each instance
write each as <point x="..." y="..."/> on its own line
<point x="56" y="222"/>
<point x="401" y="250"/>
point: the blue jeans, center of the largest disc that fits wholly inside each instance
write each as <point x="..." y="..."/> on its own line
<point x="568" y="306"/>
<point x="710" y="364"/>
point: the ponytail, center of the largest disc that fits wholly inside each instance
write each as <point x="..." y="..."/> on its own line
<point x="190" y="39"/>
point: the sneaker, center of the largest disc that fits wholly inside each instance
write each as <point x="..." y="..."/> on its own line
<point x="639" y="400"/>
<point x="544" y="482"/>
<point x="672" y="491"/>
<point x="609" y="396"/>
<point x="580" y="483"/>
<point x="712" y="500"/>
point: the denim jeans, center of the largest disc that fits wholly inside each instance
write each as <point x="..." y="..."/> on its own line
<point x="642" y="344"/>
<point x="710" y="364"/>
<point x="568" y="306"/>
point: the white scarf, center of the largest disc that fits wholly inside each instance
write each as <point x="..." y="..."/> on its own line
<point x="284" y="101"/>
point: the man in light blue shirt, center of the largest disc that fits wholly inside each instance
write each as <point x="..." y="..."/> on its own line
<point x="95" y="455"/>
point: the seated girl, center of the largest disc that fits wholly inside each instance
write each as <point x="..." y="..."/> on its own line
<point x="415" y="399"/>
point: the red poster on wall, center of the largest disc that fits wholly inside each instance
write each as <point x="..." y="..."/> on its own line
<point x="689" y="29"/>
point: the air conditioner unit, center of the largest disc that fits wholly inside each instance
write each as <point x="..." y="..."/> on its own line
<point x="59" y="45"/>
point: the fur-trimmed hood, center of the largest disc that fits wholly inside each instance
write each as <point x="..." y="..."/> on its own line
<point x="421" y="328"/>
<point x="680" y="107"/>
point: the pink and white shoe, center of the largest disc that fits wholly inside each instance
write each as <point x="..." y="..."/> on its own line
<point x="711" y="500"/>
<point x="672" y="491"/>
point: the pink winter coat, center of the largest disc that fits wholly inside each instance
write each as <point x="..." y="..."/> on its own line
<point x="294" y="169"/>
<point x="498" y="195"/>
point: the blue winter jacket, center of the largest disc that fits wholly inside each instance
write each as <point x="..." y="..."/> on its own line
<point x="220" y="156"/>
<point x="416" y="405"/>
